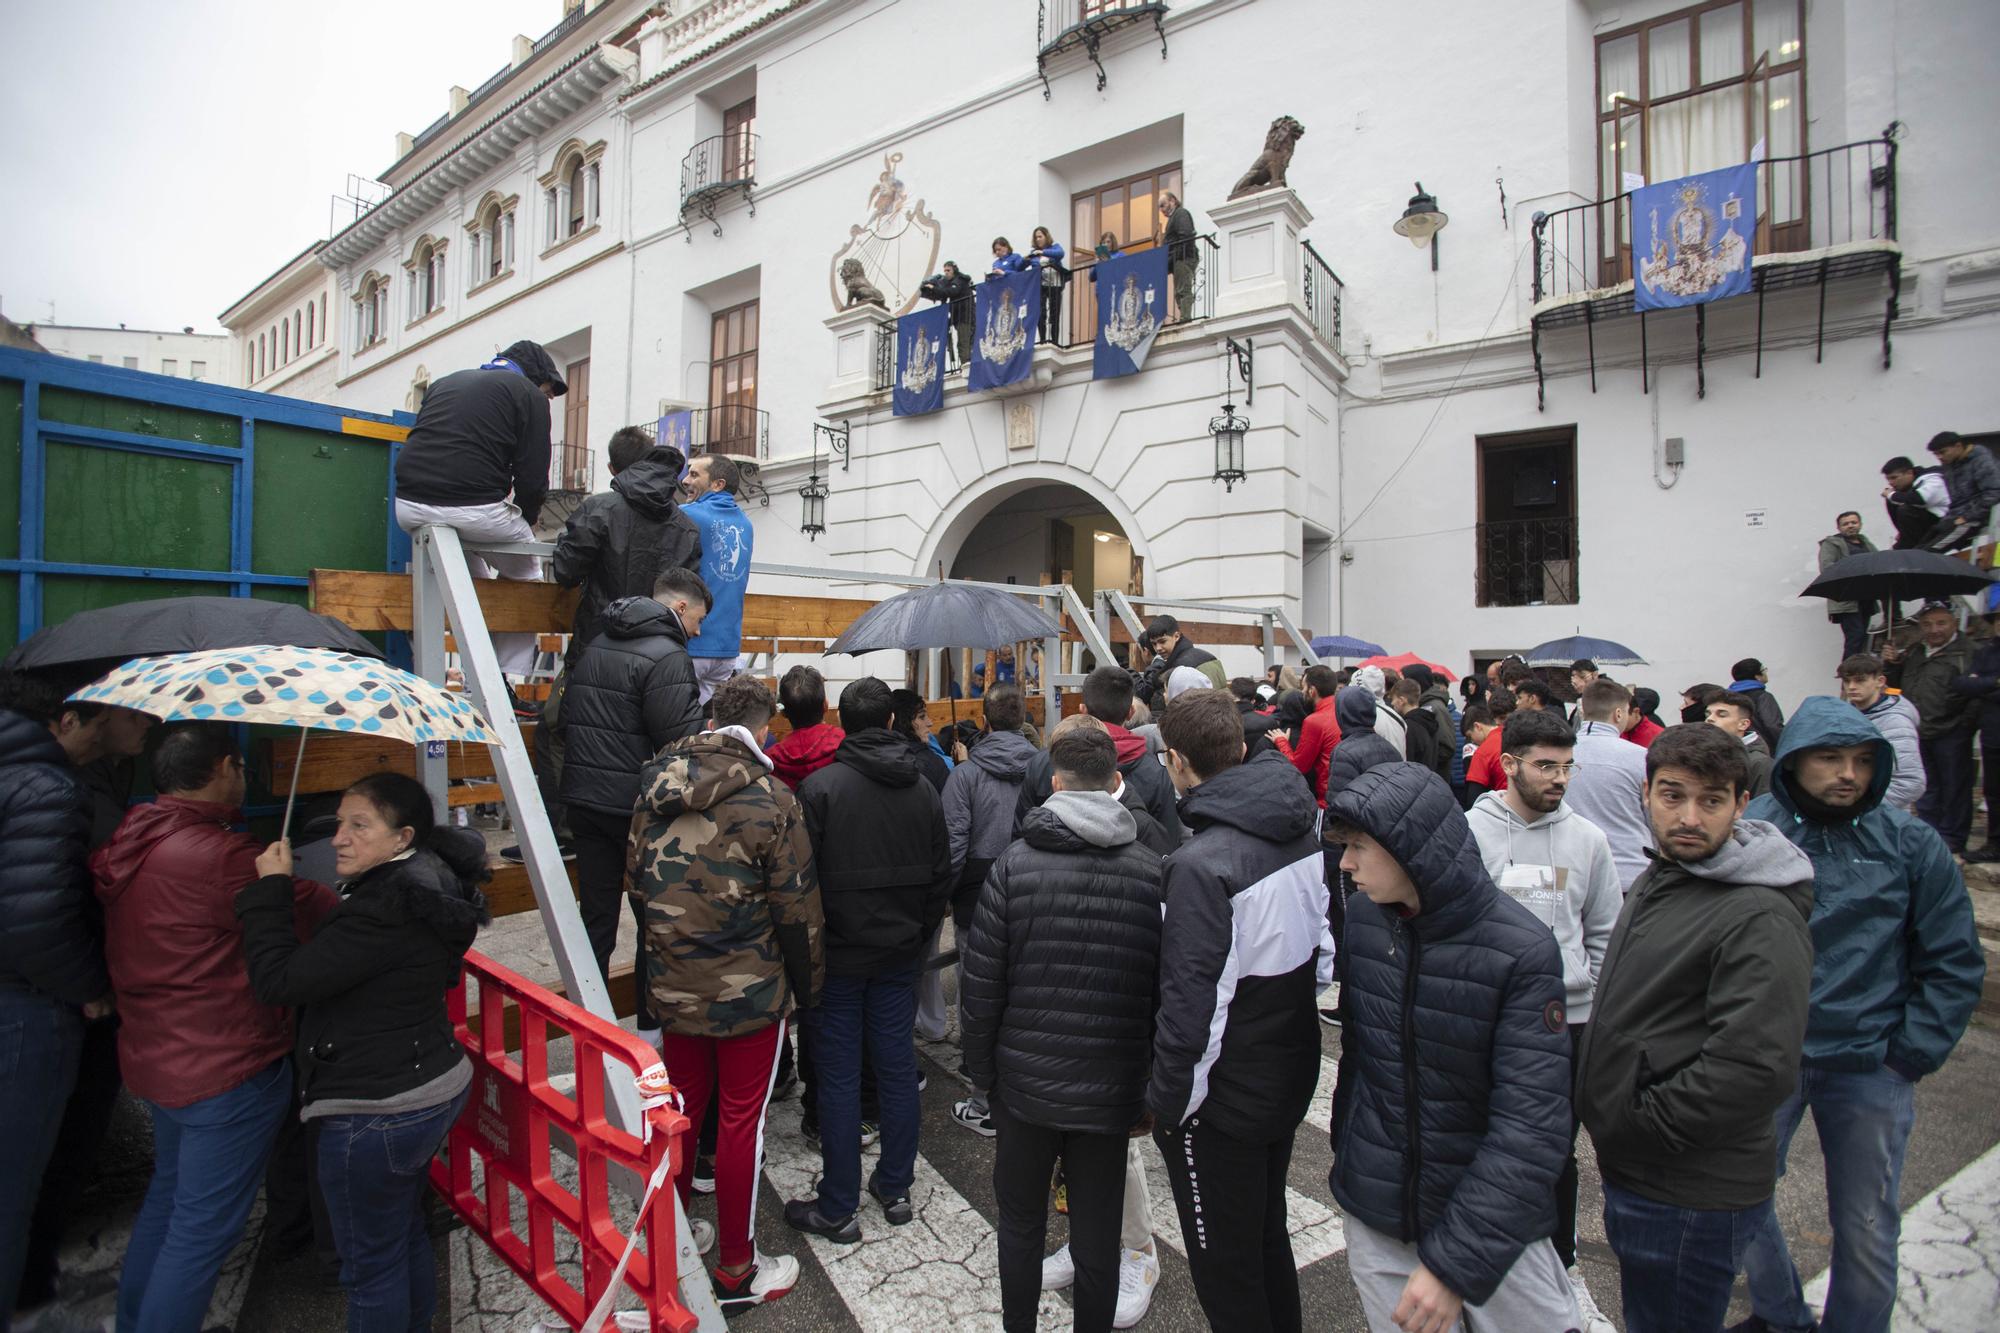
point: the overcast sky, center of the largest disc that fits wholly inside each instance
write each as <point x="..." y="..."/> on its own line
<point x="161" y="159"/>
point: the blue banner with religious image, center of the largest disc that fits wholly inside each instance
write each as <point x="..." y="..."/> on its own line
<point x="1693" y="238"/>
<point x="676" y="431"/>
<point x="1131" y="308"/>
<point x="1003" y="328"/>
<point x="920" y="339"/>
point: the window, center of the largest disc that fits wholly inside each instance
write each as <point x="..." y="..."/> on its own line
<point x="131" y="362"/>
<point x="95" y="359"/>
<point x="576" y="191"/>
<point x="371" y="311"/>
<point x="732" y="381"/>
<point x="169" y="366"/>
<point x="197" y="370"/>
<point x="1130" y="210"/>
<point x="426" y="270"/>
<point x="309" y="326"/>
<point x="285" y="340"/>
<point x="492" y="240"/>
<point x="570" y="193"/>
<point x="573" y="459"/>
<point x="1527" y="519"/>
<point x="739" y="141"/>
<point x="1699" y="89"/>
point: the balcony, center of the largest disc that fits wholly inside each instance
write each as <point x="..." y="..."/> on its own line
<point x="1527" y="562"/>
<point x="736" y="429"/>
<point x="715" y="170"/>
<point x="571" y="469"/>
<point x="1822" y="217"/>
<point x="1072" y="25"/>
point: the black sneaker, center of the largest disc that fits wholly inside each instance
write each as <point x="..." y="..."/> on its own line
<point x="1330" y="1017"/>
<point x="783" y="1088"/>
<point x="704" y="1175"/>
<point x="804" y="1215"/>
<point x="896" y="1209"/>
<point x="923" y="1080"/>
<point x="1986" y="855"/>
<point x="769" y="1278"/>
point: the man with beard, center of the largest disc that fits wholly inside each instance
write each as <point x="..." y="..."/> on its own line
<point x="1694" y="1037"/>
<point x="1559" y="866"/>
<point x="1928" y="673"/>
<point x="1896" y="974"/>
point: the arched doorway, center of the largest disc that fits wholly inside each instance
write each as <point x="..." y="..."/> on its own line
<point x="1049" y="532"/>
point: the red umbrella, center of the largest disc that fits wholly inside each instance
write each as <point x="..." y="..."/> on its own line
<point x="1402" y="660"/>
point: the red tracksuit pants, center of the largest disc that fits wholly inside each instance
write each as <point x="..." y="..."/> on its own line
<point x="738" y="1071"/>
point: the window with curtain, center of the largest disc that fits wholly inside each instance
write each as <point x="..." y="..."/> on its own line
<point x="739" y="144"/>
<point x="732" y="380"/>
<point x="574" y="222"/>
<point x="1702" y="88"/>
<point x="1130" y="210"/>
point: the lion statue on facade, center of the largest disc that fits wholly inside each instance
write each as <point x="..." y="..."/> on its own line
<point x="860" y="291"/>
<point x="1268" y="171"/>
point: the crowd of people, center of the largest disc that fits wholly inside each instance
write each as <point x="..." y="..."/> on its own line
<point x="1526" y="919"/>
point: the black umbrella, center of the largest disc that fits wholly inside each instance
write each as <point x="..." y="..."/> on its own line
<point x="114" y="634"/>
<point x="1897" y="576"/>
<point x="946" y="615"/>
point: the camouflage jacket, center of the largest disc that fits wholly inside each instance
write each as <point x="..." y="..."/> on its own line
<point x="722" y="867"/>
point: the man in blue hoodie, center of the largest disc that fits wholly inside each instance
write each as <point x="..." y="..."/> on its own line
<point x="726" y="538"/>
<point x="1897" y="972"/>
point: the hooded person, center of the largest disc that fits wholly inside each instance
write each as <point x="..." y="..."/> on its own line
<point x="1695" y="1034"/>
<point x="1437" y="700"/>
<point x="1446" y="1147"/>
<point x="1389" y="724"/>
<point x="619" y="541"/>
<point x="480" y="437"/>
<point x="1897" y="972"/>
<point x="1236" y="1051"/>
<point x="1360" y="745"/>
<point x="1107" y="696"/>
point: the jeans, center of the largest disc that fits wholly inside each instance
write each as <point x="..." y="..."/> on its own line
<point x="1946" y="804"/>
<point x="878" y="1011"/>
<point x="1676" y="1265"/>
<point x="1854" y="630"/>
<point x="208" y="1160"/>
<point x="1230" y="1194"/>
<point x="1024" y="1157"/>
<point x="376" y="1170"/>
<point x="599" y="840"/>
<point x="72" y="1164"/>
<point x="40" y="1037"/>
<point x="1864" y="1125"/>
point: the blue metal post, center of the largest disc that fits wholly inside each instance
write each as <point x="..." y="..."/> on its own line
<point x="33" y="479"/>
<point x="241" y="506"/>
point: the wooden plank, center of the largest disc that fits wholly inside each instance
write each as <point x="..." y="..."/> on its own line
<point x="476" y="793"/>
<point x="509" y="891"/>
<point x="1204" y="633"/>
<point x="334" y="762"/>
<point x="372" y="601"/>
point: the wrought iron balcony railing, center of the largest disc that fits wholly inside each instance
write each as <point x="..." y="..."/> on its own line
<point x="715" y="169"/>
<point x="731" y="428"/>
<point x="1080" y="302"/>
<point x="1527" y="562"/>
<point x="1068" y="25"/>
<point x="1323" y="289"/>
<point x="572" y="468"/>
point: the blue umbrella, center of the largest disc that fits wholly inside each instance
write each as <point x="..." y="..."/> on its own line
<point x="1561" y="652"/>
<point x="1343" y="645"/>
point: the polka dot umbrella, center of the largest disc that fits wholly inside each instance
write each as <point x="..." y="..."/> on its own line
<point x="308" y="688"/>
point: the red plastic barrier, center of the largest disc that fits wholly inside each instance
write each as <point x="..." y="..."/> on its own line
<point x="506" y="1123"/>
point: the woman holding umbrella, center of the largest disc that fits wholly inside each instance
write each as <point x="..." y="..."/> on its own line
<point x="379" y="1068"/>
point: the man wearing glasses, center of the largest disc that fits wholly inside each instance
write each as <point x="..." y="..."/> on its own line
<point x="1559" y="866"/>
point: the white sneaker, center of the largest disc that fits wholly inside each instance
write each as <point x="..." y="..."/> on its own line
<point x="773" y="1276"/>
<point x="1138" y="1273"/>
<point x="1594" y="1320"/>
<point x="702" y="1232"/>
<point x="1058" y="1270"/>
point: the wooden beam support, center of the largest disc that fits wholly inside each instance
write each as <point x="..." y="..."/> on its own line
<point x="335" y="761"/>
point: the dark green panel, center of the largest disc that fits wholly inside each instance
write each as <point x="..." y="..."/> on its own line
<point x="10" y="472"/>
<point x="296" y="596"/>
<point x="123" y="414"/>
<point x="114" y="507"/>
<point x="10" y="611"/>
<point x="322" y="501"/>
<point x="64" y="597"/>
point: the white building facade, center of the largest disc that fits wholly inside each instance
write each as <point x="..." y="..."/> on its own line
<point x="184" y="355"/>
<point x="1461" y="455"/>
<point x="279" y="338"/>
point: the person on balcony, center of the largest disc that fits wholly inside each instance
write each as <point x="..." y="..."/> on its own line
<point x="1048" y="255"/>
<point x="1108" y="247"/>
<point x="1183" y="251"/>
<point x="1004" y="258"/>
<point x="953" y="289"/>
<point x="479" y="436"/>
<point x="1973" y="478"/>
<point x="712" y="484"/>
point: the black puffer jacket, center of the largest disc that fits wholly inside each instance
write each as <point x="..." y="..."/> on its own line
<point x="48" y="939"/>
<point x="1147" y="786"/>
<point x="369" y="986"/>
<point x="883" y="856"/>
<point x="1062" y="968"/>
<point x="619" y="542"/>
<point x="1242" y="956"/>
<point x="478" y="435"/>
<point x="1359" y="747"/>
<point x="632" y="693"/>
<point x="1456" y="1121"/>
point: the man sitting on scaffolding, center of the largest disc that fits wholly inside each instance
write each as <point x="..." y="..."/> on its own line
<point x="480" y="435"/>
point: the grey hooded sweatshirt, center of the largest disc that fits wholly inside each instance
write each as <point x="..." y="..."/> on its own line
<point x="1699" y="1021"/>
<point x="1561" y="869"/>
<point x="979" y="799"/>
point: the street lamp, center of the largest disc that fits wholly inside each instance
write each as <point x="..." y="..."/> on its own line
<point x="1228" y="431"/>
<point x="1422" y="222"/>
<point x="813" y="521"/>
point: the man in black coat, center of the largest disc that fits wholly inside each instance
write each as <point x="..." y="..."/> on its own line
<point x="632" y="693"/>
<point x="1183" y="251"/>
<point x="1062" y="1053"/>
<point x="885" y="878"/>
<point x="1173" y="649"/>
<point x="1236" y="1055"/>
<point x="1456" y="1119"/>
<point x="952" y="288"/>
<point x="52" y="973"/>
